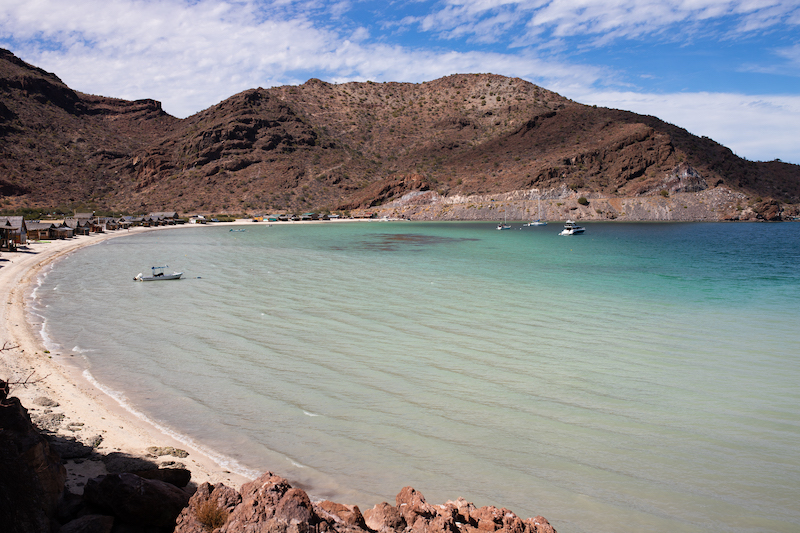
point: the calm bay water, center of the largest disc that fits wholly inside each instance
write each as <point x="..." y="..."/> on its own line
<point x="640" y="377"/>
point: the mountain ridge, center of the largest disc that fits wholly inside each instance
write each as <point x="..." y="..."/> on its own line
<point x="351" y="146"/>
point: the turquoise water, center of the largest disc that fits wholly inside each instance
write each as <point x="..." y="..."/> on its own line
<point x="640" y="377"/>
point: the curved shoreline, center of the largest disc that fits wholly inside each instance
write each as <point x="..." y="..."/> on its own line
<point x="87" y="408"/>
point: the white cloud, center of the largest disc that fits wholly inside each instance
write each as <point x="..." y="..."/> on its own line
<point x="187" y="55"/>
<point x="607" y="18"/>
<point x="191" y="56"/>
<point x="792" y="54"/>
<point x="759" y="128"/>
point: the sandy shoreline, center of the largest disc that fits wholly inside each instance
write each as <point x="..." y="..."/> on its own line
<point x="88" y="412"/>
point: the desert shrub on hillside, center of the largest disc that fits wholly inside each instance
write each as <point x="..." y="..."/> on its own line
<point x="211" y="515"/>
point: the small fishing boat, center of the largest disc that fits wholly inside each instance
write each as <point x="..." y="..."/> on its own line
<point x="571" y="228"/>
<point x="158" y="274"/>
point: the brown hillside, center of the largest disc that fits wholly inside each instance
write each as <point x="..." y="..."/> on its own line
<point x="348" y="146"/>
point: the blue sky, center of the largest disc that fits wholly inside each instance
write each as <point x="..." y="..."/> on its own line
<point x="726" y="69"/>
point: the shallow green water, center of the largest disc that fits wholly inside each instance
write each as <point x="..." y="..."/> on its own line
<point x="640" y="377"/>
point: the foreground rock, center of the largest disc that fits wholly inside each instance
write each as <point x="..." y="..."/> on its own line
<point x="135" y="500"/>
<point x="33" y="497"/>
<point x="271" y="504"/>
<point x="31" y="474"/>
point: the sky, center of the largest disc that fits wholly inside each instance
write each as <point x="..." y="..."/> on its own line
<point x="725" y="69"/>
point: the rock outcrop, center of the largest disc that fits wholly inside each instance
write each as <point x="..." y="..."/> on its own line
<point x="33" y="497"/>
<point x="271" y="504"/>
<point x="31" y="474"/>
<point x="135" y="500"/>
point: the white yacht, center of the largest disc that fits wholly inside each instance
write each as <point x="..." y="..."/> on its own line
<point x="571" y="228"/>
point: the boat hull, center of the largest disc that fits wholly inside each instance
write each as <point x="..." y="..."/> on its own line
<point x="165" y="277"/>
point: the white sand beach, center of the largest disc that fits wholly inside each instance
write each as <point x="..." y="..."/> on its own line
<point x="88" y="412"/>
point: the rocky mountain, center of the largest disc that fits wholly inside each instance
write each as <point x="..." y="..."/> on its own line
<point x="462" y="139"/>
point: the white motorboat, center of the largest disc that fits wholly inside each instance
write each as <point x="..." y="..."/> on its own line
<point x="158" y="274"/>
<point x="571" y="228"/>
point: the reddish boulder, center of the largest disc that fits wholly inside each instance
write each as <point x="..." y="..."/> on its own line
<point x="219" y="499"/>
<point x="539" y="524"/>
<point x="443" y="522"/>
<point x="271" y="503"/>
<point x="295" y="506"/>
<point x="463" y="511"/>
<point x="412" y="506"/>
<point x="769" y="210"/>
<point x="384" y="517"/>
<point x="488" y="518"/>
<point x="347" y="514"/>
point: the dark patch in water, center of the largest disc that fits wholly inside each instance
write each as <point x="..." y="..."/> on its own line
<point x="392" y="242"/>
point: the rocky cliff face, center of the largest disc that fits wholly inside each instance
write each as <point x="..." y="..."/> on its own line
<point x="348" y="146"/>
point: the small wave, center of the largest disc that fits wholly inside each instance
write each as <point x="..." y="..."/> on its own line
<point x="295" y="463"/>
<point x="224" y="461"/>
<point x="79" y="350"/>
<point x="309" y="414"/>
<point x="48" y="342"/>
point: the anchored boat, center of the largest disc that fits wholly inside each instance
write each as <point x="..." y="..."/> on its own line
<point x="571" y="228"/>
<point x="158" y="274"/>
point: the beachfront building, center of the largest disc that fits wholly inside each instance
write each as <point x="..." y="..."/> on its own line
<point x="6" y="243"/>
<point x="39" y="231"/>
<point x="163" y="218"/>
<point x="16" y="230"/>
<point x="61" y="231"/>
<point x="79" y="225"/>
